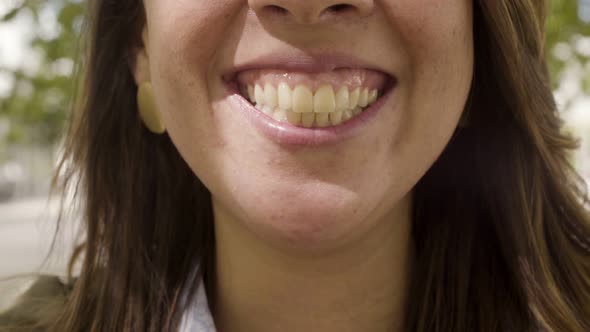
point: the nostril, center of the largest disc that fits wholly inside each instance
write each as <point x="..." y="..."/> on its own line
<point x="274" y="9"/>
<point x="306" y="11"/>
<point x="340" y="8"/>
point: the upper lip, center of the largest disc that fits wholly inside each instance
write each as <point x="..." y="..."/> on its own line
<point x="304" y="62"/>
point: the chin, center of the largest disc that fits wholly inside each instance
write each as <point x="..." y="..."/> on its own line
<point x="319" y="220"/>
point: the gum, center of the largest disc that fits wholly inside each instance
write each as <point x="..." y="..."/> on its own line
<point x="351" y="78"/>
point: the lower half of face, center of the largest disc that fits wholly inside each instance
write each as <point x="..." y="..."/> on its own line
<point x="315" y="185"/>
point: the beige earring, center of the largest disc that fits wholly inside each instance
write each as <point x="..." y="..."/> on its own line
<point x="147" y="109"/>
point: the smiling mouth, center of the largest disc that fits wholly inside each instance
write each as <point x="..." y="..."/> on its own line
<point x="313" y="100"/>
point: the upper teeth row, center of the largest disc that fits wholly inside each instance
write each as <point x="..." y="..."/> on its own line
<point x="301" y="99"/>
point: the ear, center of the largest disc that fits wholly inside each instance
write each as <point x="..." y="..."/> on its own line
<point x="139" y="57"/>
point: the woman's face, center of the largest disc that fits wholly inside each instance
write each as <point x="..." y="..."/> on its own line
<point x="293" y="176"/>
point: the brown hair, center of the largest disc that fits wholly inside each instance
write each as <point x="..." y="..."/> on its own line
<point x="499" y="223"/>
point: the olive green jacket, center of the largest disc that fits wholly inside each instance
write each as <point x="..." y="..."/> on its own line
<point x="47" y="297"/>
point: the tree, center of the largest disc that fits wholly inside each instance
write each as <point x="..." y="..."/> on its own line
<point x="568" y="44"/>
<point x="38" y="102"/>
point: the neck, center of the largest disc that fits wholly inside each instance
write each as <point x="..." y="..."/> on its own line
<point x="359" y="288"/>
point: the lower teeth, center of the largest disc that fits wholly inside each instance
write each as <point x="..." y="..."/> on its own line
<point x="310" y="120"/>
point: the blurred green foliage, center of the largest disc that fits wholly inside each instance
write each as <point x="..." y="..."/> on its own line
<point x="565" y="45"/>
<point x="38" y="104"/>
<point x="41" y="95"/>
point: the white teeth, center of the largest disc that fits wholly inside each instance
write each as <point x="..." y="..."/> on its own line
<point x="372" y="96"/>
<point x="342" y="99"/>
<point x="364" y="98"/>
<point x="336" y="118"/>
<point x="285" y="96"/>
<point x="280" y="115"/>
<point x="270" y="96"/>
<point x="346" y="115"/>
<point x="251" y="94"/>
<point x="302" y="99"/>
<point x="294" y="118"/>
<point x="301" y="107"/>
<point x="353" y="99"/>
<point x="322" y="119"/>
<point x="259" y="95"/>
<point x="324" y="100"/>
<point x="307" y="119"/>
<point x="267" y="110"/>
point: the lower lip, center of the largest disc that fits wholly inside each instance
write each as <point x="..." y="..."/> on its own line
<point x="287" y="134"/>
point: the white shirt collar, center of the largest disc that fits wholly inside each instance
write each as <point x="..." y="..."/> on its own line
<point x="198" y="318"/>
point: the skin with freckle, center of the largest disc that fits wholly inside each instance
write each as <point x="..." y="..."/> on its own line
<point x="316" y="198"/>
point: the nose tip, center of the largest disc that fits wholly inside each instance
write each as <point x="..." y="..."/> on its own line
<point x="312" y="11"/>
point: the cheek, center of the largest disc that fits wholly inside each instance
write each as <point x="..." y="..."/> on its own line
<point x="189" y="30"/>
<point x="438" y="37"/>
<point x="184" y="37"/>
